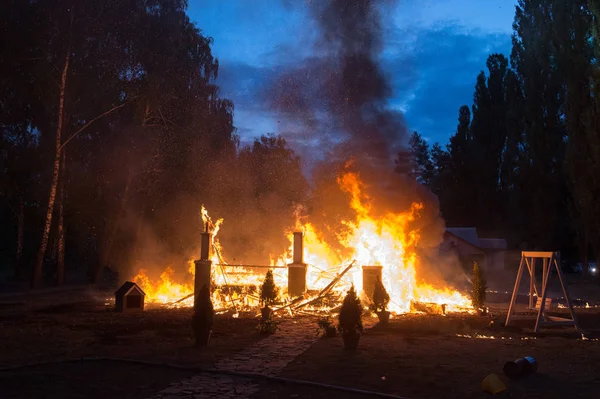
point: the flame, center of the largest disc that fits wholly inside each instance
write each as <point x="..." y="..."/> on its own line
<point x="388" y="241"/>
<point x="165" y="290"/>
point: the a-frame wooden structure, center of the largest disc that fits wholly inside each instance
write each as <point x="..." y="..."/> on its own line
<point x="550" y="261"/>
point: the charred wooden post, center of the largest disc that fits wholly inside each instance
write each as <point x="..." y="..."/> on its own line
<point x="297" y="270"/>
<point x="203" y="267"/>
<point x="370" y="274"/>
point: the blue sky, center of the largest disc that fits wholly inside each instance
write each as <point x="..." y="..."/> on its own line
<point x="433" y="51"/>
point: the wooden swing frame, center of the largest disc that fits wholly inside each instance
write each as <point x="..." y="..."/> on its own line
<point x="549" y="262"/>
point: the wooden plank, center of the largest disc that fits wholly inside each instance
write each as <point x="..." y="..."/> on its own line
<point x="542" y="308"/>
<point x="297" y="304"/>
<point x="557" y="318"/>
<point x="532" y="285"/>
<point x="515" y="291"/>
<point x="536" y="254"/>
<point x="566" y="294"/>
<point x="538" y="303"/>
<point x="558" y="323"/>
<point x="523" y="317"/>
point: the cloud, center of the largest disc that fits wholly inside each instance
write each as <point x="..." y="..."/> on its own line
<point x="448" y="62"/>
<point x="430" y="83"/>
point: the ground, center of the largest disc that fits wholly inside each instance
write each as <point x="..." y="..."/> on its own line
<point x="424" y="357"/>
<point x="415" y="356"/>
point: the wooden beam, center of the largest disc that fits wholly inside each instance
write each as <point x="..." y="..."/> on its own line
<point x="557" y="318"/>
<point x="542" y="308"/>
<point x="537" y="254"/>
<point x="558" y="323"/>
<point x="515" y="291"/>
<point x="523" y="317"/>
<point x="566" y="294"/>
<point x="532" y="285"/>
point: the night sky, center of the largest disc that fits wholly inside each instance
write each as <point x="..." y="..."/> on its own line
<point x="433" y="51"/>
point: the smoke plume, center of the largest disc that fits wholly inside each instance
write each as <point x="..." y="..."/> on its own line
<point x="341" y="92"/>
<point x="341" y="96"/>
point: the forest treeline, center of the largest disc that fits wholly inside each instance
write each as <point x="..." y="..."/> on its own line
<point x="113" y="134"/>
<point x="524" y="162"/>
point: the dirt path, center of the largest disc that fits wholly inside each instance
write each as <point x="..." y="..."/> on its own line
<point x="266" y="357"/>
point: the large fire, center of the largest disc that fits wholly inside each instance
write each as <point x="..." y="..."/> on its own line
<point x="387" y="241"/>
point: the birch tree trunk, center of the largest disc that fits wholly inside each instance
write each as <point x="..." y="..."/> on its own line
<point x="39" y="262"/>
<point x="60" y="268"/>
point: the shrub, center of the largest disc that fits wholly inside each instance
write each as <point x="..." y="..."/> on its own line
<point x="326" y="327"/>
<point x="350" y="318"/>
<point x="381" y="298"/>
<point x="479" y="286"/>
<point x="268" y="291"/>
<point x="267" y="326"/>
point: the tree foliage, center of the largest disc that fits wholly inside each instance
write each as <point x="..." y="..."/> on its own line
<point x="524" y="158"/>
<point x="146" y="140"/>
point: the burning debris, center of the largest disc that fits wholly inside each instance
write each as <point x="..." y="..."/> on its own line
<point x="385" y="245"/>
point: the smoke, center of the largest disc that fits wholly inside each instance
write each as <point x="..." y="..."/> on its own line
<point x="340" y="98"/>
<point x="342" y="91"/>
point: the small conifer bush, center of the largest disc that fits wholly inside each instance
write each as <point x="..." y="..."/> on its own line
<point x="269" y="291"/>
<point x="479" y="286"/>
<point x="350" y="318"/>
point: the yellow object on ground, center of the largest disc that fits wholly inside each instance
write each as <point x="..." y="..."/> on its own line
<point x="492" y="384"/>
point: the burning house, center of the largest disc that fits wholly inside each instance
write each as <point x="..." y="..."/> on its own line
<point x="368" y="220"/>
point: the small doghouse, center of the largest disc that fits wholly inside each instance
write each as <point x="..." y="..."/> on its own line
<point x="129" y="298"/>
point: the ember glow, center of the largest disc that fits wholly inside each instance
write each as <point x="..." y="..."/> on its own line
<point x="386" y="241"/>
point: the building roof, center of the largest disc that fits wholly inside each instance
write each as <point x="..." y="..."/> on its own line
<point x="469" y="234"/>
<point x="127" y="287"/>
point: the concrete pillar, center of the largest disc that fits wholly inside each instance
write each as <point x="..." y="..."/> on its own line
<point x="297" y="270"/>
<point x="205" y="244"/>
<point x="369" y="278"/>
<point x="298" y="250"/>
<point x="201" y="277"/>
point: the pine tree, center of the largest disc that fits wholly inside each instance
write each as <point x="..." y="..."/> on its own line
<point x="269" y="291"/>
<point x="542" y="186"/>
<point x="422" y="166"/>
<point x="350" y="317"/>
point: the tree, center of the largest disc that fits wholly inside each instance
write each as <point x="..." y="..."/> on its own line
<point x="454" y="173"/>
<point x="37" y="269"/>
<point x="573" y="43"/>
<point x="268" y="290"/>
<point x="169" y="117"/>
<point x="422" y="166"/>
<point x="350" y="317"/>
<point x="542" y="152"/>
<point x="262" y="193"/>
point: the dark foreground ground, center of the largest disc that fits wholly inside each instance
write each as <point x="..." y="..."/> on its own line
<point x="416" y="356"/>
<point x="426" y="357"/>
